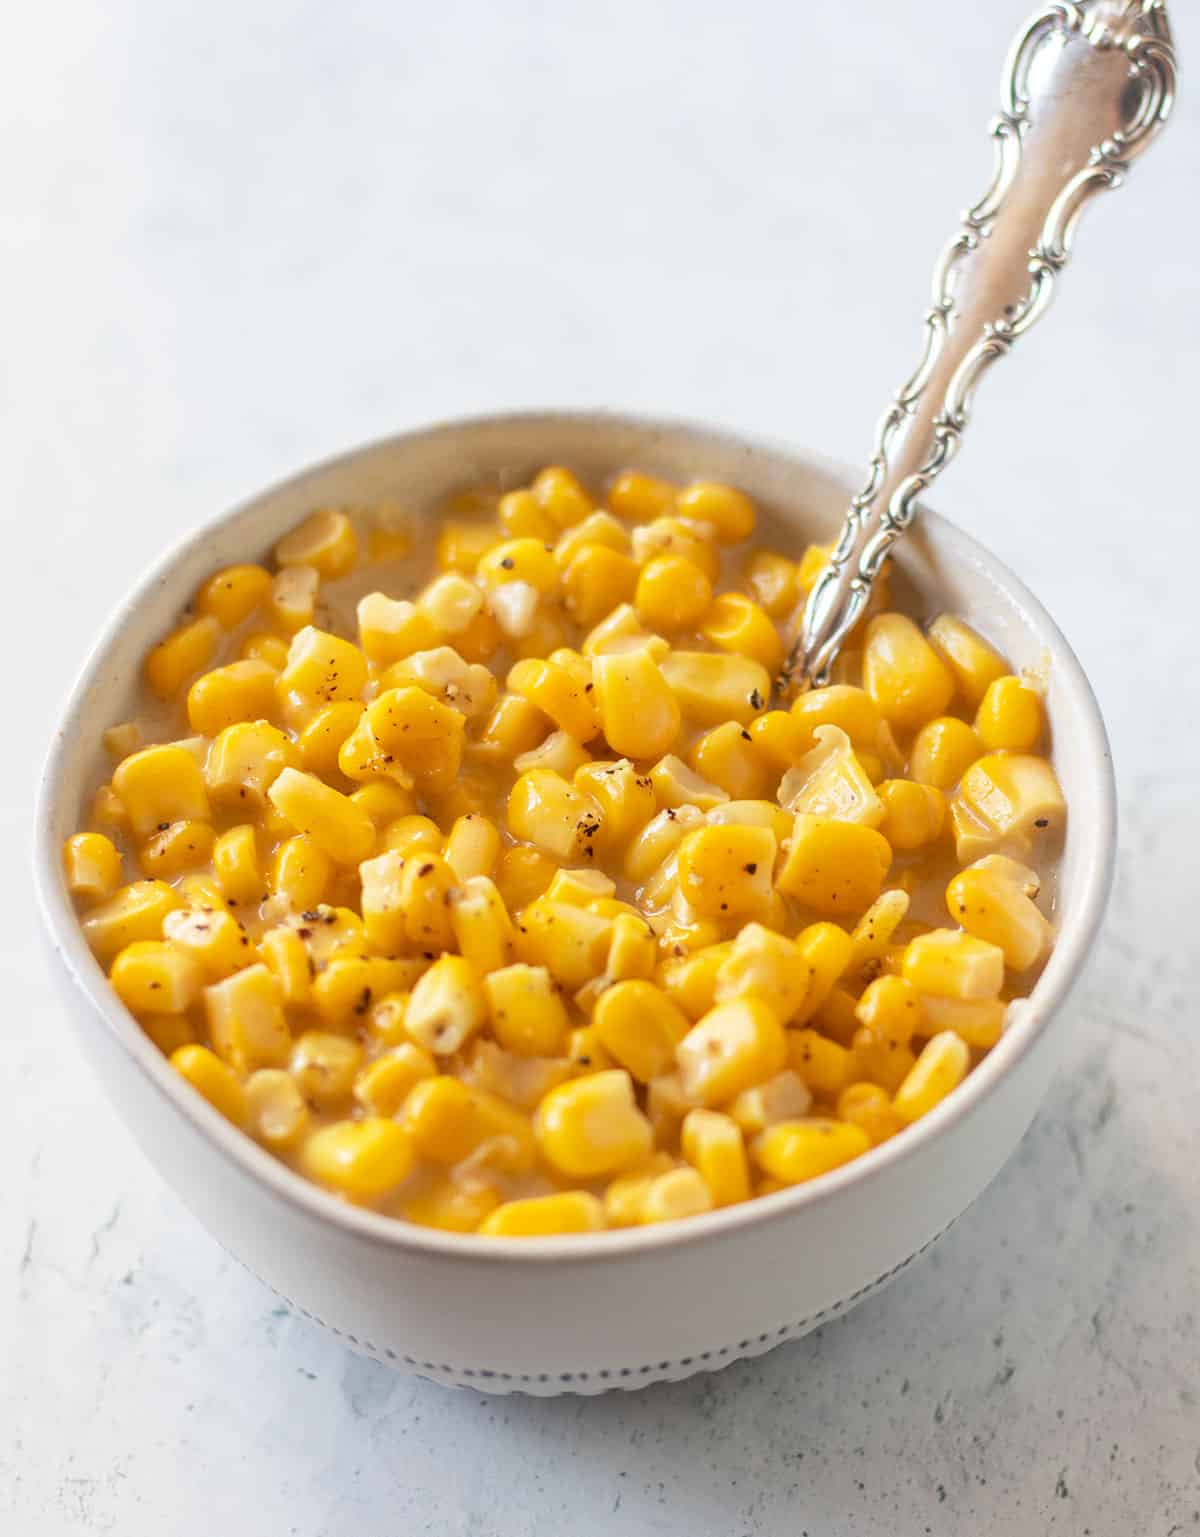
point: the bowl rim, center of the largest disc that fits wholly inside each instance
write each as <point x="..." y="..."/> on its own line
<point x="1028" y="1023"/>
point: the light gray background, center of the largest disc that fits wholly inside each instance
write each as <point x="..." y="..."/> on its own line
<point x="237" y="238"/>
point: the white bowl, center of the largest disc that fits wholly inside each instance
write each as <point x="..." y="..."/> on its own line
<point x="620" y="1309"/>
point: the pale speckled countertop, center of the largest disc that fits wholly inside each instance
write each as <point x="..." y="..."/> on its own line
<point x="239" y="238"/>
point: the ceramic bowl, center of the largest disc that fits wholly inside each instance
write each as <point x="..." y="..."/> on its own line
<point x="626" y="1308"/>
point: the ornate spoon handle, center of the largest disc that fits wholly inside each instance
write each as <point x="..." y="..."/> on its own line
<point x="1086" y="88"/>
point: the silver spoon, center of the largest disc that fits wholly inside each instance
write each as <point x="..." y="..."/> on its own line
<point x="1086" y="88"/>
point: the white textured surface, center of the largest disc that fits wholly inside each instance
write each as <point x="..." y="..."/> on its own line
<point x="239" y="238"/>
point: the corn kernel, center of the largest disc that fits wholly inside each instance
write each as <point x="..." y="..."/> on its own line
<point x="672" y="593"/>
<point x="773" y="579"/>
<point x="301" y="872"/>
<point x="359" y="1159"/>
<point x="726" y="871"/>
<point x="869" y="1107"/>
<point x="836" y="1017"/>
<point x="640" y="1026"/>
<point x="1005" y="800"/>
<point x="941" y="1067"/>
<point x="92" y="866"/>
<point x="913" y="814"/>
<point x="452" y="1206"/>
<point x="953" y="965"/>
<point x="235" y="863"/>
<point x="520" y="560"/>
<point x="461" y="546"/>
<point x="736" y="624"/>
<point x="286" y="958"/>
<point x="829" y="781"/>
<point x="850" y="709"/>
<point x="522" y="516"/>
<point x="482" y="928"/>
<point x="152" y="976"/>
<point x="785" y="1097"/>
<point x="1010" y="716"/>
<point x="246" y="1021"/>
<point x="276" y="1112"/>
<point x="263" y="647"/>
<point x="674" y="536"/>
<point x="972" y="661"/>
<point x="765" y="965"/>
<point x="728" y="758"/>
<point x="161" y="785"/>
<point x="325" y="1066"/>
<point x="795" y="1151"/>
<point x="231" y="596"/>
<point x="168" y="1031"/>
<point x="836" y="868"/>
<point x="561" y="496"/>
<point x="389" y="630"/>
<point x="979" y="1021"/>
<point x="728" y="512"/>
<point x="903" y="674"/>
<point x="244" y="761"/>
<point x="994" y="908"/>
<point x="213" y="1079"/>
<point x="822" y="1064"/>
<point x="326" y="541"/>
<point x="541" y="1216"/>
<point x="734" y="1046"/>
<point x="515" y="726"/>
<point x="712" y="1144"/>
<point x="336" y="825"/>
<point x="591" y="1127"/>
<point x="596" y="581"/>
<point x="676" y="1194"/>
<point x="523" y="876"/>
<point x="639" y="497"/>
<point x="447" y="1006"/>
<point x="134" y="912"/>
<point x="545" y="810"/>
<point x="872" y="934"/>
<point x="571" y="942"/>
<point x="237" y="692"/>
<point x="891" y="1007"/>
<point x="632" y="950"/>
<point x="383" y="1085"/>
<point x="181" y="656"/>
<point x="711" y="688"/>
<point x="345" y="989"/>
<point x="942" y="752"/>
<point x="294" y="598"/>
<point x="658" y="840"/>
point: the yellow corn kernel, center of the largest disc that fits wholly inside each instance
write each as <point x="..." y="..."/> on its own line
<point x="812" y="563"/>
<point x="560" y="753"/>
<point x="596" y="581"/>
<point x="992" y="906"/>
<point x="560" y="494"/>
<point x="385" y="1021"/>
<point x="675" y="1194"/>
<point x="213" y="1079"/>
<point x="850" y="709"/>
<point x="836" y="1017"/>
<point x="451" y="601"/>
<point x="329" y="931"/>
<point x="236" y="865"/>
<point x="625" y="798"/>
<point x="122" y="739"/>
<point x="795" y="1151"/>
<point x="712" y="688"/>
<point x="285" y="956"/>
<point x="439" y="1115"/>
<point x="181" y="656"/>
<point x="347" y="987"/>
<point x="691" y="979"/>
<point x="599" y="528"/>
<point x="325" y="1067"/>
<point x="482" y="928"/>
<point x="972" y="661"/>
<point x="246" y="1022"/>
<point x="979" y="1021"/>
<point x="727" y="757"/>
<point x="869" y="1107"/>
<point x="949" y="964"/>
<point x="632" y="950"/>
<point x="263" y="647"/>
<point x="276" y="1112"/>
<point x="520" y="560"/>
<point x="822" y="1064"/>
<point x="527" y="1012"/>
<point x="178" y="847"/>
<point x="319" y="742"/>
<point x="836" y="868"/>
<point x="734" y="1046"/>
<point x="1006" y="801"/>
<point x="522" y="516"/>
<point x="482" y="637"/>
<point x="624" y="1195"/>
<point x="161" y="785"/>
<point x="736" y="624"/>
<point x="672" y="593"/>
<point x="545" y="810"/>
<point x="580" y="888"/>
<point x="362" y="1160"/>
<point x="621" y="631"/>
<point x="515" y="726"/>
<point x="452" y="1206"/>
<point x="764" y="965"/>
<point x="168" y="1031"/>
<point x="591" y="1127"/>
<point x="523" y="876"/>
<point x="584" y="1053"/>
<point x="1011" y="716"/>
<point x="323" y="668"/>
<point x="461" y="546"/>
<point x="153" y="976"/>
<point x="92" y="866"/>
<point x="913" y="814"/>
<point x="640" y="1026"/>
<point x="231" y="595"/>
<point x="565" y="698"/>
<point x="729" y="513"/>
<point x="712" y="1143"/>
<point x="472" y="846"/>
<point x="941" y="1067"/>
<point x="638" y="497"/>
<point x="244" y="762"/>
<point x="326" y="541"/>
<point x="826" y="950"/>
<point x="725" y="871"/>
<point x="447" y="1006"/>
<point x="294" y="598"/>
<point x="829" y="781"/>
<point x="569" y="941"/>
<point x="872" y="934"/>
<point x="674" y="536"/>
<point x="389" y="629"/>
<point x="785" y="1097"/>
<point x="382" y="1087"/>
<point x="441" y="671"/>
<point x="542" y="1216"/>
<point x="942" y="752"/>
<point x="903" y="673"/>
<point x="237" y="692"/>
<point x="773" y="579"/>
<point x="659" y="839"/>
<point x="361" y="758"/>
<point x="134" y="912"/>
<point x="891" y="1008"/>
<point x="301" y="872"/>
<point x="780" y="739"/>
<point x="336" y="825"/>
<point x="420" y="734"/>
